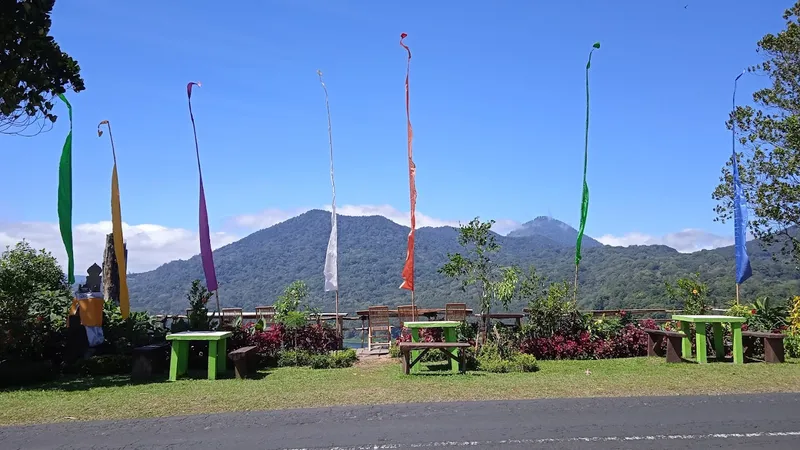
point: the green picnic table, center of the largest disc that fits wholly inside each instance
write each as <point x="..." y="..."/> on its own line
<point x="450" y="328"/>
<point x="217" y="351"/>
<point x="700" y="329"/>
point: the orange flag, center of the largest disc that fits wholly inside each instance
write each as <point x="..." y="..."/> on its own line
<point x="408" y="268"/>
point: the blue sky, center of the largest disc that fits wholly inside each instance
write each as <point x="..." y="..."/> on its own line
<point x="497" y="104"/>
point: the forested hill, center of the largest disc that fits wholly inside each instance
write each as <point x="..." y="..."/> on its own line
<point x="254" y="270"/>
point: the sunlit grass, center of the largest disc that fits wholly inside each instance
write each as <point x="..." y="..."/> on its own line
<point x="117" y="398"/>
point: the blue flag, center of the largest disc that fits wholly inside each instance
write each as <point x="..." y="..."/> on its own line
<point x="743" y="269"/>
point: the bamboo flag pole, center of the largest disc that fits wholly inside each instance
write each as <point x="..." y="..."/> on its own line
<point x="743" y="268"/>
<point x="585" y="195"/>
<point x="116" y="228"/>
<point x="331" y="270"/>
<point x="206" y="255"/>
<point x="408" y="267"/>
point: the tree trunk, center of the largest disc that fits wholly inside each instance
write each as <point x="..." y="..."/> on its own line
<point x="111" y="270"/>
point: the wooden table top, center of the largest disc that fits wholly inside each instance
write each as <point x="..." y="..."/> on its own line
<point x="708" y="319"/>
<point x="420" y="312"/>
<point x="199" y="336"/>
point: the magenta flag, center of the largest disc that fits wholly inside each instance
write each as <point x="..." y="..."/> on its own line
<point x="206" y="255"/>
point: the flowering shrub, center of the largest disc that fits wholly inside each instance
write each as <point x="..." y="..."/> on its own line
<point x="629" y="342"/>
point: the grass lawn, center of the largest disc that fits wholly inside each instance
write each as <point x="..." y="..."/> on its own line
<point x="383" y="382"/>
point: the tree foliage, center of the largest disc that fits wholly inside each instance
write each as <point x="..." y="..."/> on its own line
<point x="770" y="166"/>
<point x="495" y="285"/>
<point x="34" y="298"/>
<point x="689" y="294"/>
<point x="33" y="69"/>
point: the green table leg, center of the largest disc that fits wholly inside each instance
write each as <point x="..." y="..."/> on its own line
<point x="719" y="345"/>
<point x="212" y="360"/>
<point x="451" y="336"/>
<point x="173" y="361"/>
<point x="414" y="353"/>
<point x="179" y="359"/>
<point x="738" y="351"/>
<point x="183" y="360"/>
<point x="700" y="342"/>
<point x="222" y="356"/>
<point x="686" y="342"/>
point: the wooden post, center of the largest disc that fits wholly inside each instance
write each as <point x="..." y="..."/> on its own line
<point x="111" y="270"/>
<point x="737" y="293"/>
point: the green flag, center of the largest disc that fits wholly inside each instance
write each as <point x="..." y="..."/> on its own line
<point x="585" y="196"/>
<point x="65" y="197"/>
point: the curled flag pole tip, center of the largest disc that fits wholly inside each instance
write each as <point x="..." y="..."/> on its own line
<point x="596" y="45"/>
<point x="99" y="131"/>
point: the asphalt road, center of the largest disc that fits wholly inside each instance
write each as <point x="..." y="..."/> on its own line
<point x="731" y="422"/>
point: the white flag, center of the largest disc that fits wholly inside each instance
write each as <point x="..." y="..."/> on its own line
<point x="331" y="272"/>
<point x="331" y="255"/>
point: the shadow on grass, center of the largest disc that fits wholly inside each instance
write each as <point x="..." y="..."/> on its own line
<point x="73" y="383"/>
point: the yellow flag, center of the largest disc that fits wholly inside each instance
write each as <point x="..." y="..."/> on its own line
<point x="119" y="249"/>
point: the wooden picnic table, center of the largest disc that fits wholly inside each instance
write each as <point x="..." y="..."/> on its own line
<point x="450" y="335"/>
<point x="217" y="351"/>
<point x="429" y="313"/>
<point x="700" y="322"/>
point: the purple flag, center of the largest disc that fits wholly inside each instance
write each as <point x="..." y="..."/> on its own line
<point x="205" y="236"/>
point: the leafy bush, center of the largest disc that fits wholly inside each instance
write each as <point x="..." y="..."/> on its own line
<point x="690" y="294"/>
<point x="525" y="363"/>
<point x="794" y="315"/>
<point x="334" y="360"/>
<point x="792" y="343"/>
<point x="649" y="324"/>
<point x="314" y="338"/>
<point x="198" y="297"/>
<point x="766" y="316"/>
<point x="550" y="310"/>
<point x="491" y="359"/>
<point x="605" y="327"/>
<point x="123" y="335"/>
<point x="295" y="358"/>
<point x="630" y="341"/>
<point x="34" y="300"/>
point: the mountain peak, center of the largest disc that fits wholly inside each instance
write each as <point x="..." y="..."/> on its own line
<point x="553" y="229"/>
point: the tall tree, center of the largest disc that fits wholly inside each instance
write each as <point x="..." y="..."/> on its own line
<point x="770" y="133"/>
<point x="33" y="69"/>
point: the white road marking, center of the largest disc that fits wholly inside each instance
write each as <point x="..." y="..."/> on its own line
<point x="655" y="437"/>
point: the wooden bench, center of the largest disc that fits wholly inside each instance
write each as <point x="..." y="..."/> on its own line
<point x="149" y="359"/>
<point x="445" y="347"/>
<point x="773" y="345"/>
<point x="240" y="357"/>
<point x="655" y="339"/>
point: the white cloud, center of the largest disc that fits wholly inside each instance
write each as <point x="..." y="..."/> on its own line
<point x="685" y="241"/>
<point x="270" y="217"/>
<point x="149" y="245"/>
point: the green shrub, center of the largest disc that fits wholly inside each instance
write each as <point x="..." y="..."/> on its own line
<point x="792" y="344"/>
<point x="490" y="359"/>
<point x="495" y="365"/>
<point x="394" y="351"/>
<point x="320" y="362"/>
<point x="334" y="360"/>
<point x="343" y="358"/>
<point x="295" y="358"/>
<point x="525" y="363"/>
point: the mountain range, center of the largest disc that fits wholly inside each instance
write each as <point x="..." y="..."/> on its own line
<point x="254" y="270"/>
